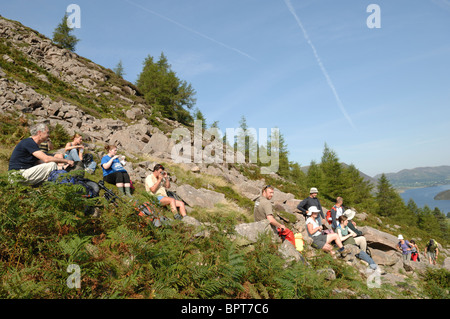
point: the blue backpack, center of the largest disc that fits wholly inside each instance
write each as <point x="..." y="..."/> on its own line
<point x="91" y="188"/>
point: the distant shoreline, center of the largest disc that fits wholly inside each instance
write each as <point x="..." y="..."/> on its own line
<point x="444" y="195"/>
<point x="402" y="189"/>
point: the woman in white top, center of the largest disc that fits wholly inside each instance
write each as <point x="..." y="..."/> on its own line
<point x="322" y="241"/>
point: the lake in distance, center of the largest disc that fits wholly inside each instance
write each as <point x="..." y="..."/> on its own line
<point x="425" y="196"/>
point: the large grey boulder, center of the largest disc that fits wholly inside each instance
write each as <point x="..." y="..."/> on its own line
<point x="378" y="239"/>
<point x="199" y="197"/>
<point x="158" y="143"/>
<point x="251" y="232"/>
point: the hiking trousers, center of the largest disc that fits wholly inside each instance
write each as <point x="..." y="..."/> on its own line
<point x="38" y="173"/>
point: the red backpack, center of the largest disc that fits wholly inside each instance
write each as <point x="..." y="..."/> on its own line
<point x="329" y="219"/>
<point x="286" y="234"/>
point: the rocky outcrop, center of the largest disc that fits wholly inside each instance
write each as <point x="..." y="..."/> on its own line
<point x="199" y="197"/>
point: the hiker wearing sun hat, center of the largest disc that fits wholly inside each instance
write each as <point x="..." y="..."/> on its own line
<point x="310" y="201"/>
<point x="320" y="239"/>
<point x="405" y="247"/>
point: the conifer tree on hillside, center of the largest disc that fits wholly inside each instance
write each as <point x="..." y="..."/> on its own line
<point x="119" y="70"/>
<point x="314" y="177"/>
<point x="390" y="203"/>
<point x="333" y="183"/>
<point x="198" y="116"/>
<point x="62" y="35"/>
<point x="162" y="89"/>
<point x="356" y="191"/>
<point x="427" y="221"/>
<point x="246" y="141"/>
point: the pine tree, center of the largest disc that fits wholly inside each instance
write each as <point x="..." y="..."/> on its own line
<point x="389" y="202"/>
<point x="118" y="70"/>
<point x="314" y="177"/>
<point x="356" y="190"/>
<point x="165" y="91"/>
<point x="332" y="173"/>
<point x="428" y="222"/>
<point x="62" y="36"/>
<point x="246" y="141"/>
<point x="198" y="115"/>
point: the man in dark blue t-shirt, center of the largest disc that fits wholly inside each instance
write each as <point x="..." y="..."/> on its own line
<point x="31" y="162"/>
<point x="310" y="201"/>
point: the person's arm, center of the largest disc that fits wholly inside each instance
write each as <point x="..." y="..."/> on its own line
<point x="108" y="164"/>
<point x="311" y="228"/>
<point x="321" y="210"/>
<point x="44" y="158"/>
<point x="352" y="233"/>
<point x="342" y="238"/>
<point x="274" y="222"/>
<point x="155" y="186"/>
<point x="302" y="204"/>
<point x="166" y="181"/>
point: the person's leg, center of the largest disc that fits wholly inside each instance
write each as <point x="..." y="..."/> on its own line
<point x="73" y="155"/>
<point x="39" y="173"/>
<point x="337" y="240"/>
<point x="169" y="201"/>
<point x="91" y="167"/>
<point x="126" y="183"/>
<point x="182" y="208"/>
<point x="361" y="242"/>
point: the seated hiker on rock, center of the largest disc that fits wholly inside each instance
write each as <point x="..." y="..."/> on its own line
<point x="405" y="247"/>
<point x="113" y="171"/>
<point x="74" y="151"/>
<point x="348" y="236"/>
<point x="432" y="251"/>
<point x="156" y="183"/>
<point x="263" y="210"/>
<point x="310" y="201"/>
<point x="350" y="213"/>
<point x="321" y="240"/>
<point x="336" y="211"/>
<point x="31" y="162"/>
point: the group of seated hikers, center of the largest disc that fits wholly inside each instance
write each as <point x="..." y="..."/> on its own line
<point x="341" y="230"/>
<point x="31" y="159"/>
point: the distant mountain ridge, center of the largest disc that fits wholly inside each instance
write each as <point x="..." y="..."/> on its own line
<point x="419" y="177"/>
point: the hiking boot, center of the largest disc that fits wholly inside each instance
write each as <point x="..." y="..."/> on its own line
<point x="344" y="252"/>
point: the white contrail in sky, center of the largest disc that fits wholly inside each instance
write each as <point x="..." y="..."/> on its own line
<point x="191" y="30"/>
<point x="324" y="71"/>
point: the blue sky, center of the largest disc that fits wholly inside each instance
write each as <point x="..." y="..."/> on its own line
<point x="379" y="97"/>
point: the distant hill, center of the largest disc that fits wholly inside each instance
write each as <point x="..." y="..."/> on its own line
<point x="419" y="177"/>
<point x="444" y="195"/>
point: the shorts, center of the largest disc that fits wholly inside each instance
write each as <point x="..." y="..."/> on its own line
<point x="160" y="197"/>
<point x="319" y="241"/>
